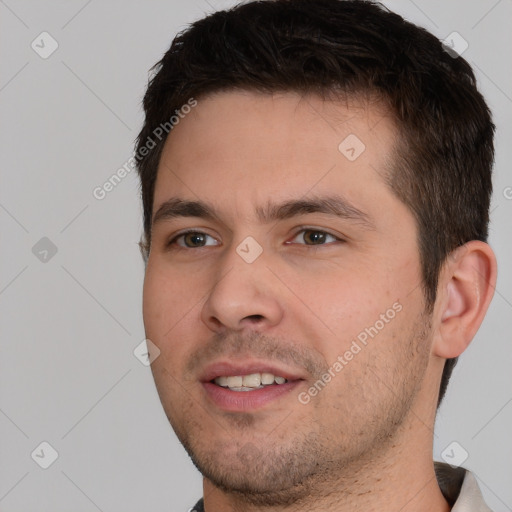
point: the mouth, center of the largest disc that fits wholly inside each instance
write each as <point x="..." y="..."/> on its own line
<point x="249" y="382"/>
<point x="244" y="387"/>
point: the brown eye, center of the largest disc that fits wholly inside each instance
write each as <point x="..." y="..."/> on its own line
<point x="193" y="240"/>
<point x="314" y="237"/>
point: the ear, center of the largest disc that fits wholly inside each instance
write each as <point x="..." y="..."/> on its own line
<point x="465" y="289"/>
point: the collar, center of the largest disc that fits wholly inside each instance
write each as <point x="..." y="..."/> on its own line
<point x="460" y="488"/>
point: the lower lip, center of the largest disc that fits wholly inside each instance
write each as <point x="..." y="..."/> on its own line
<point x="240" y="401"/>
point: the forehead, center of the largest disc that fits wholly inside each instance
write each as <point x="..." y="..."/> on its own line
<point x="244" y="147"/>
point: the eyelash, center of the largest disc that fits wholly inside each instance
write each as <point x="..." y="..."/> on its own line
<point x="172" y="243"/>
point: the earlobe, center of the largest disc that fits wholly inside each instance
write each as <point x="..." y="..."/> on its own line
<point x="465" y="290"/>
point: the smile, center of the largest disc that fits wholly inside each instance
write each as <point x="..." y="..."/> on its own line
<point x="249" y="382"/>
<point x="244" y="386"/>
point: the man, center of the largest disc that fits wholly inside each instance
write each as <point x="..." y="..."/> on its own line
<point x="316" y="178"/>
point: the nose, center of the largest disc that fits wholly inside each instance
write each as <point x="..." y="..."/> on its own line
<point x="244" y="296"/>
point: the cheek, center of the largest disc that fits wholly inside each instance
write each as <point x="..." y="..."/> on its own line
<point x="344" y="297"/>
<point x="362" y="305"/>
<point x="169" y="306"/>
<point x="156" y="301"/>
<point x="170" y="309"/>
<point x="167" y="296"/>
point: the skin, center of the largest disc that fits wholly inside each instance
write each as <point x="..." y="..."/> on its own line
<point x="365" y="439"/>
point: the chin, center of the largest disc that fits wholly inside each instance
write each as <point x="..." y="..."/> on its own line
<point x="261" y="475"/>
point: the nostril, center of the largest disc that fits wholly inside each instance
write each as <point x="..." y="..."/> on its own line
<point x="254" y="318"/>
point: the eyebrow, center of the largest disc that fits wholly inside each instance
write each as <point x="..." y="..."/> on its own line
<point x="334" y="205"/>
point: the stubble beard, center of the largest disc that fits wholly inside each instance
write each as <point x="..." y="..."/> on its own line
<point x="296" y="464"/>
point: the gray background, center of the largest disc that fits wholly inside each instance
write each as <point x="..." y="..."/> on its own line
<point x="70" y="323"/>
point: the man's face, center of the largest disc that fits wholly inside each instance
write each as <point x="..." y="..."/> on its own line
<point x="275" y="281"/>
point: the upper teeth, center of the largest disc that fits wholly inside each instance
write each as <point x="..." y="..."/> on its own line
<point x="252" y="381"/>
